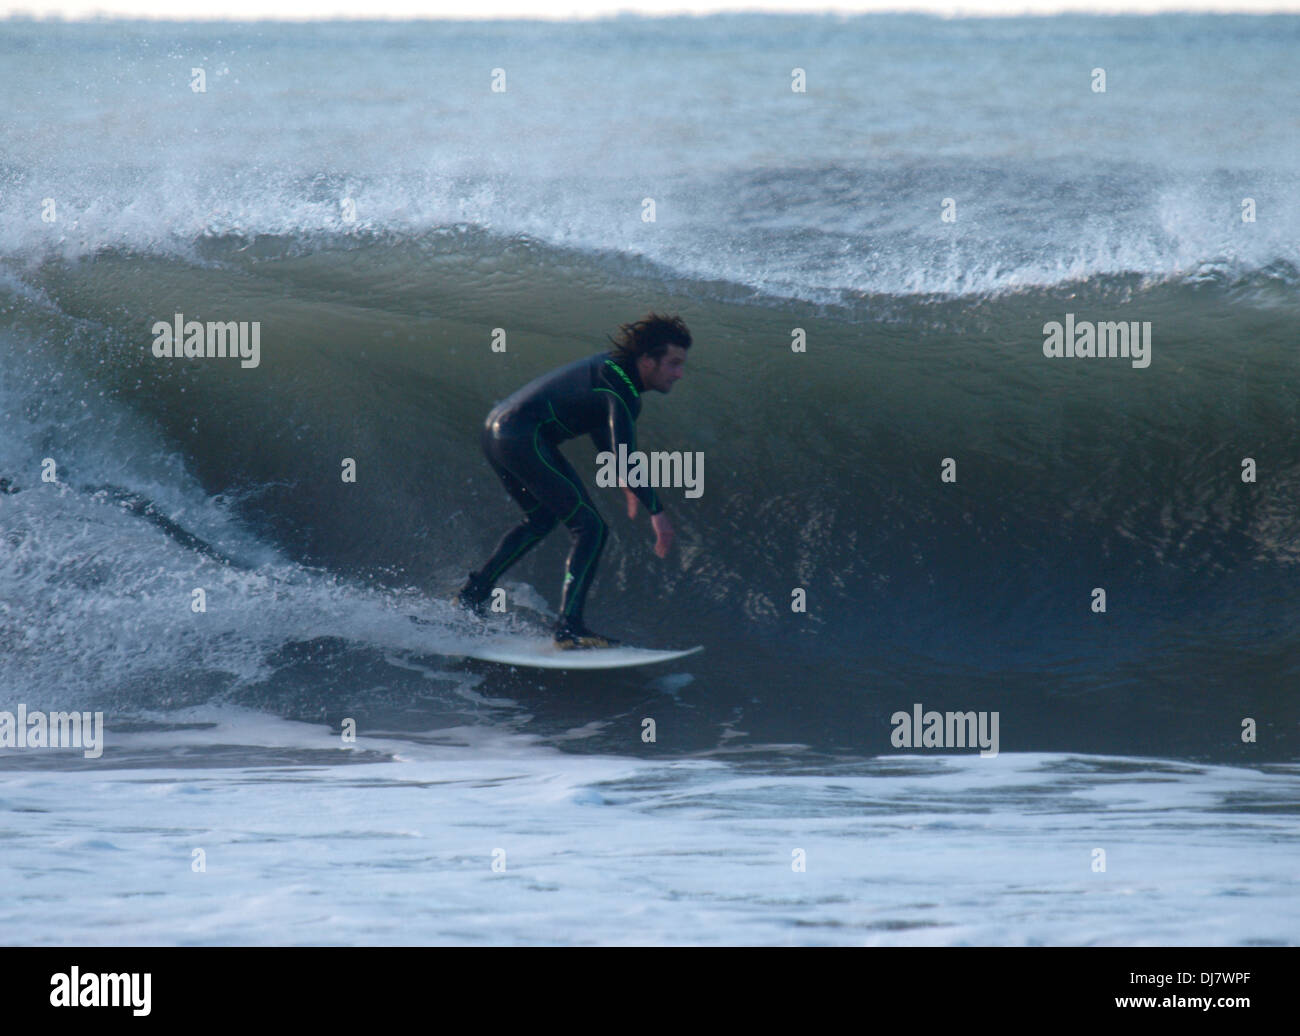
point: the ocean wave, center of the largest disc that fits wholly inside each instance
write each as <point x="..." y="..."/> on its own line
<point x="826" y="466"/>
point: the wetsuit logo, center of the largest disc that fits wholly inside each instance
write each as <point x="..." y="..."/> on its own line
<point x="626" y="380"/>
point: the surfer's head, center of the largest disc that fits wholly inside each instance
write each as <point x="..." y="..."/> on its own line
<point x="655" y="347"/>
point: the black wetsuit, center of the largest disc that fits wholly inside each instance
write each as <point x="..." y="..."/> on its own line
<point x="596" y="396"/>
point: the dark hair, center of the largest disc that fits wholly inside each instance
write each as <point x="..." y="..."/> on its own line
<point x="650" y="336"/>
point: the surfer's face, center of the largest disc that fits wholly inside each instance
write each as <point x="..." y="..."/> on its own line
<point x="660" y="374"/>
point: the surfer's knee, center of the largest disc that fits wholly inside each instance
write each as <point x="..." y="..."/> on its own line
<point x="540" y="521"/>
<point x="585" y="521"/>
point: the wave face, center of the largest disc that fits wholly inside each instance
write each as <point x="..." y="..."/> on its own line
<point x="379" y="226"/>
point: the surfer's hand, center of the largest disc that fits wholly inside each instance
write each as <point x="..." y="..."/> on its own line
<point x="631" y="502"/>
<point x="663" y="533"/>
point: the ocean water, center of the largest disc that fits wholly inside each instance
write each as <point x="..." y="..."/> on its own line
<point x="364" y="194"/>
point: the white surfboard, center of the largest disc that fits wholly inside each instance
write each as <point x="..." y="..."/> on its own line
<point x="541" y="653"/>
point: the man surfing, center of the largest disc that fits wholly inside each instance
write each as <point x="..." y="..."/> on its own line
<point x="599" y="396"/>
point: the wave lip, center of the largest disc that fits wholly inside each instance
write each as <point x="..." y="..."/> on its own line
<point x="823" y="235"/>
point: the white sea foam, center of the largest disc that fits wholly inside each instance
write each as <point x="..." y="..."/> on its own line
<point x="601" y="850"/>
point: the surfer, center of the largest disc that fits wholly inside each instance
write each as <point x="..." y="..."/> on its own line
<point x="598" y="396"/>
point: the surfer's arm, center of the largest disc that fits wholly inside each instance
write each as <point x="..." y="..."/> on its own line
<point x="620" y="429"/>
<point x="663" y="528"/>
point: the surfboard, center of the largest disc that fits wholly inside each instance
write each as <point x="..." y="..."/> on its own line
<point x="541" y="653"/>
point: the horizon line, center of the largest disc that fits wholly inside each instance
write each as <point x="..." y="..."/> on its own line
<point x="291" y="11"/>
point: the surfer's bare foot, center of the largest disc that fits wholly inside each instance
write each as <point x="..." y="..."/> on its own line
<point x="570" y="636"/>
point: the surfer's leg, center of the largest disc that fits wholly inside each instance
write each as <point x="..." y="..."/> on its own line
<point x="588" y="532"/>
<point x="545" y="485"/>
<point x="562" y="492"/>
<point x="538" y="519"/>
